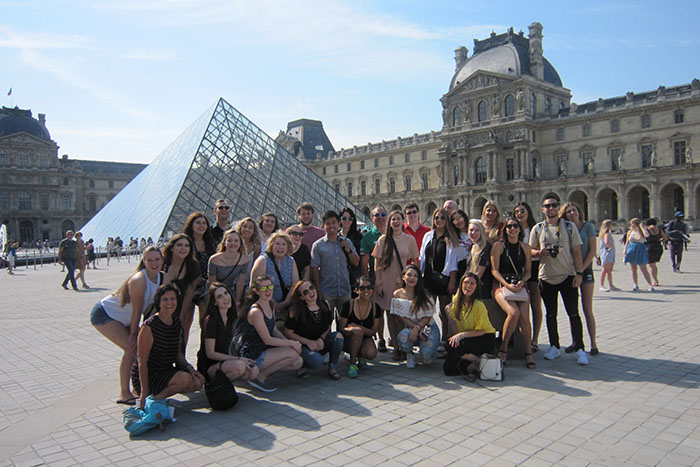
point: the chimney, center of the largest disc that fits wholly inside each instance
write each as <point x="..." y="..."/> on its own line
<point x="536" y="59"/>
<point x="461" y="57"/>
<point x="42" y="119"/>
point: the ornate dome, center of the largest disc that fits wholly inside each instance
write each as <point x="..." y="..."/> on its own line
<point x="16" y="120"/>
<point x="506" y="54"/>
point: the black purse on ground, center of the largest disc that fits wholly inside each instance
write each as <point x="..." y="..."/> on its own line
<point x="220" y="392"/>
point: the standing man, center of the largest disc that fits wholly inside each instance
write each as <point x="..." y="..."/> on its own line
<point x="367" y="264"/>
<point x="330" y="255"/>
<point x="221" y="210"/>
<point x="450" y="206"/>
<point x="677" y="232"/>
<point x="413" y="225"/>
<point x="67" y="251"/>
<point x="305" y="213"/>
<point x="558" y="245"/>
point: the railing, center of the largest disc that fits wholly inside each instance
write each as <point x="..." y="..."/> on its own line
<point x="35" y="257"/>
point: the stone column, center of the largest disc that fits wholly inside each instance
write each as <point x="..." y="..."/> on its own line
<point x="491" y="167"/>
<point x="654" y="201"/>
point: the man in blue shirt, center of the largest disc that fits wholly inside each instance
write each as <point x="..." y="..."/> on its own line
<point x="330" y="255"/>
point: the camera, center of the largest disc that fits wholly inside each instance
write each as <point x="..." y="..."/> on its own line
<point x="511" y="279"/>
<point x="553" y="250"/>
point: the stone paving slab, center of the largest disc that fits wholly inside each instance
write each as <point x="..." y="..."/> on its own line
<point x="637" y="403"/>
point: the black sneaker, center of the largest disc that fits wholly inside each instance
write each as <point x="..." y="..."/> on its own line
<point x="570" y="349"/>
<point x="381" y="346"/>
<point x="264" y="386"/>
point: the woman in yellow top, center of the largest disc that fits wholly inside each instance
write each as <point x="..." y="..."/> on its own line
<point x="472" y="334"/>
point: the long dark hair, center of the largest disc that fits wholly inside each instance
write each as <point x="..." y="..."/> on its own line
<point x="451" y="234"/>
<point x="155" y="306"/>
<point x="353" y="234"/>
<point x="297" y="304"/>
<point x="252" y="295"/>
<point x="191" y="265"/>
<point x="421" y="299"/>
<point x="504" y="232"/>
<point x="460" y="300"/>
<point x="213" y="310"/>
<point x="530" y="217"/>
<point x="208" y="237"/>
<point x="389" y="243"/>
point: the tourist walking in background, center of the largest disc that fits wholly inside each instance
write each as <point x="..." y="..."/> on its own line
<point x="636" y="253"/>
<point x="606" y="256"/>
<point x="677" y="232"/>
<point x="67" y="251"/>
<point x="653" y="239"/>
<point x="80" y="259"/>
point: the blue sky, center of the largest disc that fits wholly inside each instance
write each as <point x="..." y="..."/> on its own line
<point x="119" y="80"/>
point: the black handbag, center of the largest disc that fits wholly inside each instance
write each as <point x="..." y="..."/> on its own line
<point x="220" y="392"/>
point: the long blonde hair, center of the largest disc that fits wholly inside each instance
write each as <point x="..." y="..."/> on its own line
<point x="477" y="247"/>
<point x="492" y="231"/>
<point x="123" y="291"/>
<point x="605" y="228"/>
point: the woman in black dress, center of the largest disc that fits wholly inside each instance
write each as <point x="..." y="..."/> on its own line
<point x="653" y="238"/>
<point x="163" y="370"/>
<point x="359" y="322"/>
<point x="182" y="269"/>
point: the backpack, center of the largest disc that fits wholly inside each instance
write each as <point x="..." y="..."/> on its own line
<point x="154" y="414"/>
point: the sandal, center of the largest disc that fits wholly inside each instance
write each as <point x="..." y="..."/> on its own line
<point x="303" y="373"/>
<point x="530" y="364"/>
<point x="505" y="356"/>
<point x="333" y="374"/>
<point x="534" y="347"/>
<point x="129" y="401"/>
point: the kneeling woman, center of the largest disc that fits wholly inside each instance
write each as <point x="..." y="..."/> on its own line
<point x="415" y="309"/>
<point x="217" y="333"/>
<point x="471" y="332"/>
<point x="258" y="339"/>
<point x="359" y="322"/>
<point x="162" y="369"/>
<point x="309" y="323"/>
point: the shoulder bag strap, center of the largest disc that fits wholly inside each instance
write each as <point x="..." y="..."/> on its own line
<point x="398" y="256"/>
<point x="285" y="289"/>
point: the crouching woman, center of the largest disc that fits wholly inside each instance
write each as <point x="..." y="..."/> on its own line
<point x="471" y="332"/>
<point x="162" y="368"/>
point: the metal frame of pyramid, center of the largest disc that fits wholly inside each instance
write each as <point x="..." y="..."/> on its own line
<point x="221" y="155"/>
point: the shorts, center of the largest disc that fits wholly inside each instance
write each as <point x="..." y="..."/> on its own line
<point x="98" y="315"/>
<point x="588" y="276"/>
<point x="259" y="361"/>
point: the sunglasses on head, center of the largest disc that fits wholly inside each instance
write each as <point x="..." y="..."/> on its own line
<point x="365" y="287"/>
<point x="550" y="205"/>
<point x="306" y="291"/>
<point x="264" y="288"/>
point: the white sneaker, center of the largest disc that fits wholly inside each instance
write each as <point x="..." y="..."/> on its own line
<point x="552" y="353"/>
<point x="604" y="289"/>
<point x="410" y="361"/>
<point x="635" y="288"/>
<point x="581" y="357"/>
<point x="651" y="288"/>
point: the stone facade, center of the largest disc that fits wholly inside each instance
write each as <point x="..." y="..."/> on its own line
<point x="43" y="195"/>
<point x="510" y="133"/>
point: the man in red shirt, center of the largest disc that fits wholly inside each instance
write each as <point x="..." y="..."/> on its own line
<point x="305" y="212"/>
<point x="413" y="226"/>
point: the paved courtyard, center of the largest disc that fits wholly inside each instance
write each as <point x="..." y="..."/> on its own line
<point x="637" y="403"/>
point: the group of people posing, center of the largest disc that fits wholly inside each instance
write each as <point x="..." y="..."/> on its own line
<point x="296" y="299"/>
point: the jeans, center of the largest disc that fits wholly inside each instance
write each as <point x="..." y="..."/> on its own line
<point x="676" y="254"/>
<point x="333" y="343"/>
<point x="569" y="295"/>
<point x="428" y="349"/>
<point x="70" y="275"/>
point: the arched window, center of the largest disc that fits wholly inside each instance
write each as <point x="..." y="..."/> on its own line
<point x="456" y="116"/>
<point x="533" y="104"/>
<point x="548" y="106"/>
<point x="481" y="108"/>
<point x="24" y="200"/>
<point x="480" y="171"/>
<point x="510" y="105"/>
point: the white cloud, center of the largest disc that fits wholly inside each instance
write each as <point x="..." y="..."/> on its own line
<point x="10" y="38"/>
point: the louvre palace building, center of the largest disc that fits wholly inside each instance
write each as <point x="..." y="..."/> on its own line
<point x="42" y="195"/>
<point x="511" y="133"/>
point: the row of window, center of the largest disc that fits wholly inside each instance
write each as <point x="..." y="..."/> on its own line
<point x="65" y="182"/>
<point x="678" y="117"/>
<point x="406" y="159"/>
<point x="391" y="185"/>
<point x="509" y="109"/>
<point x="22" y="159"/>
<point x="24" y="201"/>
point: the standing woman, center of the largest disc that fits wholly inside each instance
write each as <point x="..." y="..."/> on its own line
<point x="163" y="370"/>
<point x="258" y="339"/>
<point x="198" y="229"/>
<point x="414" y="310"/>
<point x="438" y="261"/>
<point x="359" y="322"/>
<point x="606" y="255"/>
<point x="510" y="265"/>
<point x="230" y="265"/>
<point x="653" y="236"/>
<point x="182" y="269"/>
<point x="636" y="253"/>
<point x="118" y="315"/>
<point x="392" y="252"/>
<point x="80" y="259"/>
<point x="268" y="224"/>
<point x="90" y="253"/>
<point x="217" y="333"/>
<point x="491" y="219"/>
<point x="461" y="222"/>
<point x="573" y="213"/>
<point x="348" y="229"/>
<point x="471" y="332"/>
<point x="250" y="234"/>
<point x="523" y="214"/>
<point x="309" y="323"/>
<point x="301" y="253"/>
<point x="480" y="262"/>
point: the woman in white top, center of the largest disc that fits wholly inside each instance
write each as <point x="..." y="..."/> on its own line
<point x="414" y="310"/>
<point x="117" y="316"/>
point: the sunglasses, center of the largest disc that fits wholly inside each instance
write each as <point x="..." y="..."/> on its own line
<point x="379" y="214"/>
<point x="264" y="288"/>
<point x="346" y="218"/>
<point x="225" y="207"/>
<point x="294" y="233"/>
<point x="362" y="288"/>
<point x="440" y="218"/>
<point x="306" y="292"/>
<point x="512" y="226"/>
<point x="550" y="206"/>
<point x="411" y="212"/>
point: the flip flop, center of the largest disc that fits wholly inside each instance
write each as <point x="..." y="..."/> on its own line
<point x="130" y="401"/>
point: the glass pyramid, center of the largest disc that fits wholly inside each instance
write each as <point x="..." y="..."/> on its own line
<point x="221" y="155"/>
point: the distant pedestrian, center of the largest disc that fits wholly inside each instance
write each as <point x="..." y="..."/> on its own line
<point x="606" y="256"/>
<point x="636" y="253"/>
<point x="67" y="250"/>
<point x="11" y="256"/>
<point x="654" y="237"/>
<point x="677" y="232"/>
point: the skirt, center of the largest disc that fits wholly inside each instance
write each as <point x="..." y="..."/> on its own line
<point x="636" y="253"/>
